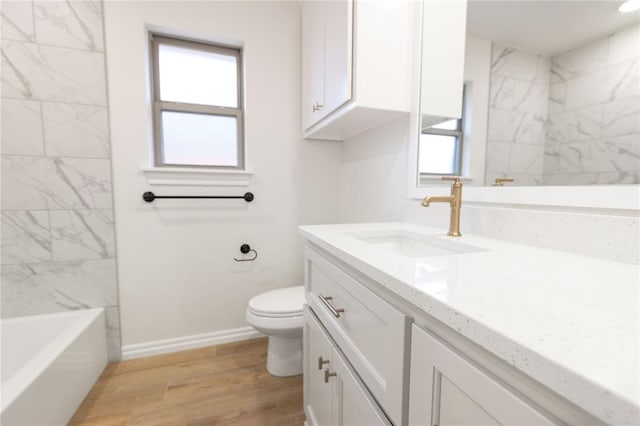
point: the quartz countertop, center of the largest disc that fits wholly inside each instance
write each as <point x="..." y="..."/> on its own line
<point x="570" y="322"/>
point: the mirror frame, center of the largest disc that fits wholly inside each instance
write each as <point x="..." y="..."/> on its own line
<point x="623" y="199"/>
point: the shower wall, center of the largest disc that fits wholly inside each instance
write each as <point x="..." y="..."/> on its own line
<point x="593" y="132"/>
<point x="569" y="119"/>
<point x="518" y="100"/>
<point x="58" y="248"/>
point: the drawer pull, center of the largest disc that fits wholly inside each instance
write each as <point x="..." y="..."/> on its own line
<point x="321" y="362"/>
<point x="327" y="375"/>
<point x="336" y="312"/>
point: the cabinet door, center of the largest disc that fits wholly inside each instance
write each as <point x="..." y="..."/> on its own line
<point x="354" y="404"/>
<point x="318" y="393"/>
<point x="446" y="389"/>
<point x="312" y="61"/>
<point x="338" y="49"/>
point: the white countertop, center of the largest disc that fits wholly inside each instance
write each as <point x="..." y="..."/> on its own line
<point x="570" y="322"/>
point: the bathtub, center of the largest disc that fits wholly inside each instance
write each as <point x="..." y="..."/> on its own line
<point x="49" y="364"/>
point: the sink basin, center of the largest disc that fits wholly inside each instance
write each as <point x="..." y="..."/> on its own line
<point x="411" y="244"/>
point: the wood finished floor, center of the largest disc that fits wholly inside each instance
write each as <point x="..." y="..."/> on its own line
<point x="218" y="385"/>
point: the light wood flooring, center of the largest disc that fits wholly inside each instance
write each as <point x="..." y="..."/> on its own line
<point x="218" y="385"/>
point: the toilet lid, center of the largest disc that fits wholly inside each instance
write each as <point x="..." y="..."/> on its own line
<point x="281" y="302"/>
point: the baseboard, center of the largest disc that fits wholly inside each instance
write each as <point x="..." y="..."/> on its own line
<point x="158" y="347"/>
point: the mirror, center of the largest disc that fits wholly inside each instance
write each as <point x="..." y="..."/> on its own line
<point x="551" y="97"/>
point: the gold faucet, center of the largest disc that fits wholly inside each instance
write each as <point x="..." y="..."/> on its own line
<point x="501" y="181"/>
<point x="454" y="200"/>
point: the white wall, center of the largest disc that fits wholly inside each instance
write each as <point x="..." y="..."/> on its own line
<point x="176" y="273"/>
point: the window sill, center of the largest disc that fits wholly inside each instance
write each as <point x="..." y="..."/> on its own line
<point x="178" y="176"/>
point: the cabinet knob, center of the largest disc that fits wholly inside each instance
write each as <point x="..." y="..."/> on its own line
<point x="327" y="375"/>
<point x="321" y="362"/>
<point x="317" y="107"/>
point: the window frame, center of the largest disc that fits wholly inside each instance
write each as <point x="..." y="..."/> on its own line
<point x="159" y="106"/>
<point x="458" y="133"/>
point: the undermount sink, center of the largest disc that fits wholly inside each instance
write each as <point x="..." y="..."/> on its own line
<point x="411" y="244"/>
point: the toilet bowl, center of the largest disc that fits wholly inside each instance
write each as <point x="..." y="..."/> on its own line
<point x="278" y="314"/>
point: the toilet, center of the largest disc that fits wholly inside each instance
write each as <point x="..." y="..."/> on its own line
<point x="278" y="314"/>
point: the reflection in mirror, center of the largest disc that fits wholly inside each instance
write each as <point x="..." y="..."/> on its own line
<point x="562" y="102"/>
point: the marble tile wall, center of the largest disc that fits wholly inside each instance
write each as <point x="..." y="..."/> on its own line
<point x="518" y="102"/>
<point x="572" y="119"/>
<point x="593" y="132"/>
<point x="57" y="245"/>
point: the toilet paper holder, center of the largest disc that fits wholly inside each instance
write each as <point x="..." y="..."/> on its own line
<point x="246" y="248"/>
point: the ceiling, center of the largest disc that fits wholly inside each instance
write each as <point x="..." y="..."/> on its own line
<point x="549" y="27"/>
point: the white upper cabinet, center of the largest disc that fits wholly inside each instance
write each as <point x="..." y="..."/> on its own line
<point x="442" y="63"/>
<point x="356" y="65"/>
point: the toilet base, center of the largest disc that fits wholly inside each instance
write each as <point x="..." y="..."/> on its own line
<point x="284" y="356"/>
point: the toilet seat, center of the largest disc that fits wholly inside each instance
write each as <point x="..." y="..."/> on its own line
<point x="280" y="303"/>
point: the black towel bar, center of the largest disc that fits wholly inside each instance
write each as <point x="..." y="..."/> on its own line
<point x="150" y="196"/>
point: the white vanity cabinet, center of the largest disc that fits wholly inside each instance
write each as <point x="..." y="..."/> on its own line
<point x="370" y="332"/>
<point x="462" y="338"/>
<point x="447" y="389"/>
<point x="333" y="393"/>
<point x="388" y="362"/>
<point x="356" y="65"/>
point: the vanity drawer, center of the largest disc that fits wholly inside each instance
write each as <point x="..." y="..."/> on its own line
<point x="369" y="331"/>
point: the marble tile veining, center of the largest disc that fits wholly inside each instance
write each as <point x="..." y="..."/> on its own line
<point x="17" y="20"/>
<point x="34" y="183"/>
<point x="624" y="44"/>
<point x="23" y="183"/>
<point x="25" y="237"/>
<point x="509" y="62"/>
<point x="616" y="178"/>
<point x="587" y="90"/>
<point x="580" y="61"/>
<point x="621" y="117"/>
<point x="577" y="125"/>
<point x="526" y="159"/>
<point x="622" y="80"/>
<point x="497" y="156"/>
<point x="55" y="287"/>
<point x="113" y="333"/>
<point x="32" y="71"/>
<point x="516" y="127"/>
<point x="76" y="24"/>
<point x="21" y="127"/>
<point x="82" y="183"/>
<point x="531" y="96"/>
<point x="82" y="234"/>
<point x="557" y="97"/>
<point x="76" y="130"/>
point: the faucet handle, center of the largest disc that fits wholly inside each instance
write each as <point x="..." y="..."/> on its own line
<point x="501" y="181"/>
<point x="455" y="179"/>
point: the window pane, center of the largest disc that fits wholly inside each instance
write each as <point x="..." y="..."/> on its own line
<point x="437" y="154"/>
<point x="448" y="125"/>
<point x="197" y="77"/>
<point x="199" y="139"/>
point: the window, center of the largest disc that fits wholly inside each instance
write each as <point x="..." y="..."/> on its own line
<point x="440" y="148"/>
<point x="197" y="104"/>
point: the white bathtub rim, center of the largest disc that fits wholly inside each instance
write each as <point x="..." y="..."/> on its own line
<point x="14" y="386"/>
